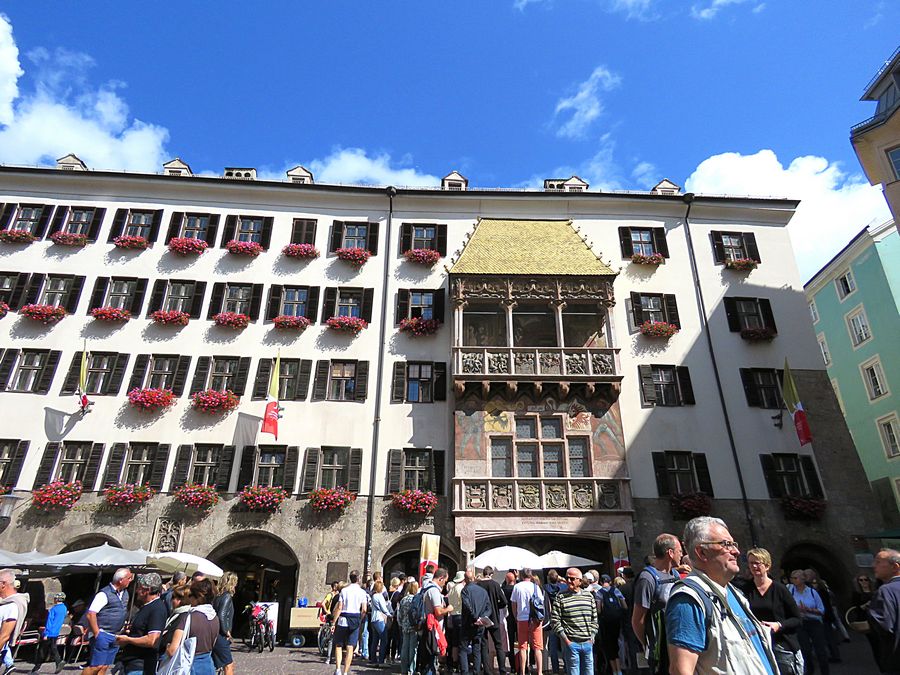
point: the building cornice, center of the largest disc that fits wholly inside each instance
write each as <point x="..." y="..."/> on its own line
<point x="854" y="248"/>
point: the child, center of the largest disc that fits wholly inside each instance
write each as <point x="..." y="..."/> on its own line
<point x="55" y="618"/>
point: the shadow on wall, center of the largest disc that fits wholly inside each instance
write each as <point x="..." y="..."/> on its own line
<point x="59" y="423"/>
<point x="101" y="329"/>
<point x="170" y="263"/>
<point x="232" y="264"/>
<point x="345" y="273"/>
<point x="285" y="267"/>
<point x="27" y="329"/>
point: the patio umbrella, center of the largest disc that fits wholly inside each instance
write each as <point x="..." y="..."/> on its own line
<point x="507" y="558"/>
<point x="563" y="560"/>
<point x="103" y="556"/>
<point x="176" y="561"/>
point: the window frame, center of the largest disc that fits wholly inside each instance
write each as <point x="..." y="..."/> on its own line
<point x="70" y="469"/>
<point x="143" y="465"/>
<point x="848" y="275"/>
<point x="240" y="304"/>
<point x="673" y="471"/>
<point x="424" y="242"/>
<point x="423" y="385"/>
<point x="9" y="449"/>
<point x="894" y="161"/>
<point x="84" y="226"/>
<point x="295" y="304"/>
<point x="347" y="241"/>
<point x="229" y="377"/>
<point x="347" y="295"/>
<point x="63" y="293"/>
<point x="337" y="470"/>
<point x="729" y="248"/>
<point x="125" y="298"/>
<point x="35" y="369"/>
<point x="856" y="312"/>
<point x="32" y="220"/>
<point x="153" y="373"/>
<point x="249" y="234"/>
<point x="131" y="228"/>
<point x="891" y="424"/>
<point x="813" y="311"/>
<point x="275" y="470"/>
<point x="878" y="369"/>
<point x="424" y="472"/>
<point x="184" y="302"/>
<point x="823" y="348"/>
<point x="763" y="387"/>
<point x="347" y="393"/>
<point x="783" y="475"/>
<point x="93" y="385"/>
<point x="640" y="242"/>
<point x="209" y="465"/>
<point x="186" y="232"/>
<point x="538" y="442"/>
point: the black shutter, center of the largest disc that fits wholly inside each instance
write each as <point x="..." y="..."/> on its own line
<point x="182" y="467"/>
<point x="372" y="238"/>
<point x="74" y="294"/>
<point x="398" y="383"/>
<point x="41" y="228"/>
<point x="229" y="230"/>
<point x="291" y="462"/>
<point x="223" y="470"/>
<point x="261" y="383"/>
<point x="671" y="306"/>
<point x="33" y="292"/>
<point x="157" y="296"/>
<point x="812" y="478"/>
<point x="45" y="468"/>
<point x="406" y="233"/>
<point x="255" y="301"/>
<point x="441" y="231"/>
<point x="662" y="476"/>
<point x="660" y="245"/>
<point x="181" y="371"/>
<point x="437" y="307"/>
<point x="765" y="308"/>
<point x="10" y="356"/>
<point x="200" y="374"/>
<point x="113" y="465"/>
<point x="310" y="471"/>
<point x="114" y="383"/>
<point x="92" y="467"/>
<point x="637" y="310"/>
<point x="47" y="372"/>
<point x="96" y="224"/>
<point x="174" y="226"/>
<point x="401" y="309"/>
<point x="353" y="483"/>
<point x="137" y="299"/>
<point x="158" y="465"/>
<point x="118" y="225"/>
<point x="155" y="225"/>
<point x="197" y="299"/>
<point x="320" y="384"/>
<point x="265" y="238"/>
<point x="211" y="229"/>
<point x="139" y="374"/>
<point x="59" y="218"/>
<point x="701" y="470"/>
<point x="718" y="247"/>
<point x="772" y="482"/>
<point x="395" y="471"/>
<point x="18" y="291"/>
<point x="248" y="464"/>
<point x="648" y="389"/>
<point x="329" y="307"/>
<point x="70" y="383"/>
<point x="438" y="469"/>
<point x="240" y="379"/>
<point x="303" y="382"/>
<point x="216" y="301"/>
<point x="750" y="389"/>
<point x="362" y="380"/>
<point x="273" y="306"/>
<point x="303" y="231"/>
<point x="335" y="236"/>
<point x="750" y="246"/>
<point x="625" y="242"/>
<point x="731" y="314"/>
<point x="11" y="477"/>
<point x="312" y="303"/>
<point x="7" y="215"/>
<point x="367" y="302"/>
<point x="439" y="369"/>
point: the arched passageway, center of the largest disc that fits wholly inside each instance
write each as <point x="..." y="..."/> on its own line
<point x="807" y="555"/>
<point x="403" y="556"/>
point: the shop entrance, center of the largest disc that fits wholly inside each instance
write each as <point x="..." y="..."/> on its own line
<point x="403" y="557"/>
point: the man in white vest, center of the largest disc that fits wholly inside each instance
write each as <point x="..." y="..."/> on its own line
<point x="709" y="625"/>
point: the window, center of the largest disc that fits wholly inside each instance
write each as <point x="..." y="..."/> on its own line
<point x="27" y="218"/>
<point x="237" y="298"/>
<point x="858" y="325"/>
<point x="642" y="242"/>
<point x="540" y="449"/>
<point x="249" y="229"/>
<point x="417" y="472"/>
<point x="342" y="381"/>
<point x="161" y="371"/>
<point x="270" y="466"/>
<point x="889" y="430"/>
<point x="56" y="291"/>
<point x="294" y="300"/>
<point x="501" y="457"/>
<point x="762" y="387"/>
<point x="787" y="470"/>
<point x="349" y="302"/>
<point x="418" y="383"/>
<point x="790" y="475"/>
<point x="421" y="304"/>
<point x="355" y="235"/>
<point x="894" y="157"/>
<point x="837" y="394"/>
<point x="99" y="372"/>
<point x="813" y="311"/>
<point x="667" y="386"/>
<point x="28" y="371"/>
<point x="79" y="221"/>
<point x="416" y="469"/>
<point x="7" y="285"/>
<point x="289" y="380"/>
<point x="335" y="469"/>
<point x="139" y="463"/>
<point x="10" y="461"/>
<point x="424" y="236"/>
<point x="204" y="470"/>
<point x="680" y="468"/>
<point x="139" y="224"/>
<point x="120" y="293"/>
<point x="583" y="326"/>
<point x="418" y="236"/>
<point x="484" y="325"/>
<point x="534" y="325"/>
<point x="223" y="373"/>
<point x="579" y="457"/>
<point x="873" y="377"/>
<point x="195" y="225"/>
<point x="734" y="246"/>
<point x="653" y="307"/>
<point x="179" y="296"/>
<point x="749" y="313"/>
<point x="845" y="284"/>
<point x="823" y="347"/>
<point x="303" y="231"/>
<point x="73" y="462"/>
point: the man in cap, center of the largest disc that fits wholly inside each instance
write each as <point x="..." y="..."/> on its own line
<point x="139" y="647"/>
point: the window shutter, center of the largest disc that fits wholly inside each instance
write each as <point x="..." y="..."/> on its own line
<point x="182" y="467"/>
<point x="438" y="307"/>
<point x="10" y="356"/>
<point x="155" y="225"/>
<point x="266" y="233"/>
<point x="684" y="385"/>
<point x="441" y="232"/>
<point x="662" y="476"/>
<point x="35" y="284"/>
<point x="240" y="379"/>
<point x="625" y="242"/>
<point x="248" y="464"/>
<point x="406" y="232"/>
<point x="772" y="482"/>
<point x="312" y="303"/>
<point x="335" y="236"/>
<point x="320" y="384"/>
<point x="114" y="383"/>
<point x="731" y="314"/>
<point x="139" y="374"/>
<point x="750" y="390"/>
<point x="439" y="368"/>
<point x="255" y="301"/>
<point x="438" y="471"/>
<point x="372" y="238"/>
<point x="118" y="225"/>
<point x="15" y="465"/>
<point x="137" y="300"/>
<point x="273" y="305"/>
<point x="18" y="291"/>
<point x="303" y="383"/>
<point x="96" y="224"/>
<point x="660" y="245"/>
<point x="367" y="302"/>
<point x="41" y="227"/>
<point x="701" y="470"/>
<point x="812" y="477"/>
<point x="402" y="307"/>
<point x="7" y="215"/>
<point x="159" y="465"/>
<point x="74" y="294"/>
<point x="310" y="471"/>
<point x="47" y="372"/>
<point x="181" y="371"/>
<point x="212" y="229"/>
<point x="223" y="470"/>
<point x="637" y="310"/>
<point x="671" y="306"/>
<point x="718" y="247"/>
<point x="197" y="299"/>
<point x="398" y="382"/>
<point x="114" y="464"/>
<point x="395" y="471"/>
<point x="201" y="374"/>
<point x="70" y="383"/>
<point x="362" y="380"/>
<point x="45" y="468"/>
<point x="174" y="226"/>
<point x="329" y="307"/>
<point x="353" y="484"/>
<point x="157" y="296"/>
<point x="92" y="467"/>
<point x="229" y="230"/>
<point x="303" y="231"/>
<point x="765" y="309"/>
<point x="216" y="301"/>
<point x="750" y="247"/>
<point x="291" y="461"/>
<point x="59" y="218"/>
<point x="261" y="383"/>
<point x="648" y="390"/>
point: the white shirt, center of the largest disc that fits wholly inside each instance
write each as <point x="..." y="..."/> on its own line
<point x="100" y="601"/>
<point x="353" y="599"/>
<point x="521" y="595"/>
<point x="8" y="611"/>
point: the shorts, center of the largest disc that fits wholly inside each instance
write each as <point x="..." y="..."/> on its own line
<point x="530" y="633"/>
<point x="347" y="635"/>
<point x="221" y="652"/>
<point x="103" y="649"/>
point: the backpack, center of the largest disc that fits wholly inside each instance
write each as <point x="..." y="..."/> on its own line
<point x="656" y="620"/>
<point x="416" y="610"/>
<point x="609" y="602"/>
<point x="536" y="610"/>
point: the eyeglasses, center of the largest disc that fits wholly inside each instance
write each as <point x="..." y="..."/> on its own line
<point x="725" y="543"/>
<point x="573" y="578"/>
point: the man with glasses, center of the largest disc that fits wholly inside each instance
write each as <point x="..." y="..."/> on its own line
<point x="573" y="618"/>
<point x="651" y="591"/>
<point x="709" y="625"/>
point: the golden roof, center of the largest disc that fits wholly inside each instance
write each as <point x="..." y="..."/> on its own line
<point x="548" y="247"/>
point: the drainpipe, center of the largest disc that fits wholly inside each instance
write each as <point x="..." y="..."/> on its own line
<point x="379" y="374"/>
<point x="704" y="325"/>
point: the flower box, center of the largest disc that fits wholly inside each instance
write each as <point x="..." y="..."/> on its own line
<point x="331" y="499"/>
<point x="232" y="320"/>
<point x="354" y="256"/>
<point x="46" y="314"/>
<point x="415" y="502"/>
<point x="262" y="498"/>
<point x="128" y="495"/>
<point x="196" y="496"/>
<point x="151" y="400"/>
<point x="347" y="324"/>
<point x="249" y="248"/>
<point x="763" y="334"/>
<point x="110" y="314"/>
<point x="423" y="256"/>
<point x="187" y="246"/>
<point x="170" y="318"/>
<point x="742" y="264"/>
<point x="418" y="326"/>
<point x="690" y="505"/>
<point x="291" y="322"/>
<point x="5" y="490"/>
<point x="4" y="309"/>
<point x="131" y="242"/>
<point x="57" y="495"/>
<point x="658" y="329"/>
<point x="652" y="259"/>
<point x="300" y="251"/>
<point x="213" y="401"/>
<point x="803" y="508"/>
<point x="16" y="237"/>
<point x="69" y="239"/>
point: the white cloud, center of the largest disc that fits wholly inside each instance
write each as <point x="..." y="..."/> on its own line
<point x="355" y="166"/>
<point x="522" y="4"/>
<point x="698" y="11"/>
<point x="10" y="70"/>
<point x="633" y="9"/>
<point x="834" y="205"/>
<point x="645" y="174"/>
<point x="585" y="105"/>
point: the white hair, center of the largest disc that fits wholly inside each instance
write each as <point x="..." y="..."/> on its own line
<point x="697" y="530"/>
<point x="120" y="574"/>
<point x="8" y="575"/>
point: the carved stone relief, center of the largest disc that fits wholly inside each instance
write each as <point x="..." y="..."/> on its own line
<point x="502" y="497"/>
<point x="167" y="535"/>
<point x="556" y="496"/>
<point x="582" y="496"/>
<point x="473" y="363"/>
<point x="602" y="364"/>
<point x="609" y="495"/>
<point x="529" y="497"/>
<point x="476" y="496"/>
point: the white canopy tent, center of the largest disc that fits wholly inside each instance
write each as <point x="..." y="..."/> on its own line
<point x="558" y="559"/>
<point x="507" y="558"/>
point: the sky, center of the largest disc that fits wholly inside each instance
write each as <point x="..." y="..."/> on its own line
<point x="740" y="97"/>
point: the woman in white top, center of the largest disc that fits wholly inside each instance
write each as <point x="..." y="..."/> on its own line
<point x="382" y="613"/>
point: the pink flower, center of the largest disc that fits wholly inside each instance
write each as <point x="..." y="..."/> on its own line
<point x="213" y="401"/>
<point x="742" y="264"/>
<point x="194" y="495"/>
<point x="249" y="248"/>
<point x="652" y="259"/>
<point x="110" y="314"/>
<point x="4" y="309"/>
<point x="659" y="329"/>
<point x="151" y="400"/>
<point x="415" y="501"/>
<point x="232" y="320"/>
<point x="300" y="251"/>
<point x="170" y="318"/>
<point x="187" y="246"/>
<point x="347" y="324"/>
<point x="128" y="494"/>
<point x="131" y="241"/>
<point x="423" y="256"/>
<point x="291" y="322"/>
<point x="331" y="499"/>
<point x="68" y="239"/>
<point x="418" y="326"/>
<point x="46" y="314"/>
<point x="57" y="494"/>
<point x="355" y="256"/>
<point x="262" y="498"/>
<point x="17" y="237"/>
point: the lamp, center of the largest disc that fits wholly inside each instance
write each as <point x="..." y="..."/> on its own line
<point x="7" y="505"/>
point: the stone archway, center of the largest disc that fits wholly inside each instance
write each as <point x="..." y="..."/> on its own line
<point x="81" y="586"/>
<point x="89" y="540"/>
<point x="403" y="556"/>
<point x="803" y="555"/>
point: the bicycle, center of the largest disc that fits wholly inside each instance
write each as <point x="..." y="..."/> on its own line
<point x="323" y="641"/>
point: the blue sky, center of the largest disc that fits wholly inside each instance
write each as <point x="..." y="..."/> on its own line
<point x="721" y="96"/>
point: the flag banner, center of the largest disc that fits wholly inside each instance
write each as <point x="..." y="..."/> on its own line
<point x="82" y="380"/>
<point x="428" y="552"/>
<point x="795" y="407"/>
<point x="273" y="409"/>
<point x="619" y="546"/>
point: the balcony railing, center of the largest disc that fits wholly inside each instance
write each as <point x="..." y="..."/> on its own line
<point x="536" y="363"/>
<point x="534" y="495"/>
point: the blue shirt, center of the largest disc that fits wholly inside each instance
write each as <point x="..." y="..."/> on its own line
<point x="808" y="599"/>
<point x="55" y="618"/>
<point x="686" y="625"/>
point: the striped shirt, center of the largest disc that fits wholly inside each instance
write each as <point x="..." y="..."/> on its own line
<point x="574" y="615"/>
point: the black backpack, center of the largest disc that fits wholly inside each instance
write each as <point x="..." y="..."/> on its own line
<point x="611" y="609"/>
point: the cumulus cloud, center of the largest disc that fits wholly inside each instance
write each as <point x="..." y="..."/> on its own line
<point x="709" y="11"/>
<point x="584" y="106"/>
<point x="355" y="166"/>
<point x="834" y="205"/>
<point x="10" y="70"/>
<point x="645" y="174"/>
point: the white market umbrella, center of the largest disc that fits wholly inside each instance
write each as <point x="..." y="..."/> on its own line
<point x="176" y="561"/>
<point x="555" y="559"/>
<point x="507" y="558"/>
<point x="103" y="556"/>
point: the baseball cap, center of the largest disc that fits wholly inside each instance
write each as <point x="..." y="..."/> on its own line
<point x="605" y="578"/>
<point x="589" y="578"/>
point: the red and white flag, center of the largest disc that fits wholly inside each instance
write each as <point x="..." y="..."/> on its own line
<point x="794" y="406"/>
<point x="273" y="409"/>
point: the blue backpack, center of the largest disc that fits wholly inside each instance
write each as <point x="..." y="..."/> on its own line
<point x="536" y="610"/>
<point x="416" y="610"/>
<point x="609" y="601"/>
